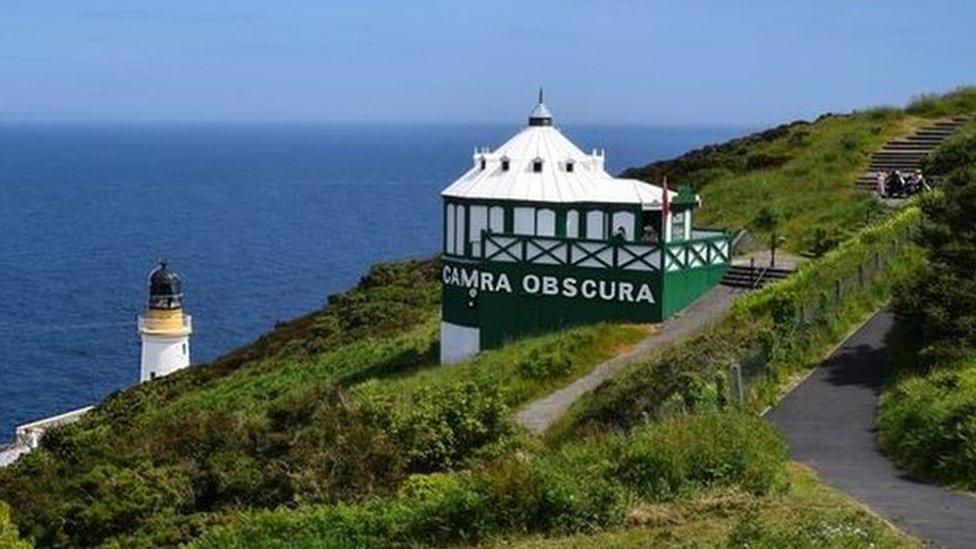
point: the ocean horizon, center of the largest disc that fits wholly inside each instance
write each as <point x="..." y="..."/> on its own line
<point x="262" y="220"/>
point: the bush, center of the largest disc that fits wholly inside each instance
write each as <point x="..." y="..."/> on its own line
<point x="581" y="488"/>
<point x="957" y="151"/>
<point x="662" y="461"/>
<point x="9" y="537"/>
<point x="927" y="423"/>
<point x="962" y="100"/>
<point x="941" y="301"/>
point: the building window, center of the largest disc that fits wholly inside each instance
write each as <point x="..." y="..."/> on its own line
<point x="184" y="349"/>
<point x="450" y="229"/>
<point x="505" y="164"/>
<point x="623" y="220"/>
<point x="152" y="375"/>
<point x="537" y="166"/>
<point x="477" y="222"/>
<point x="594" y="225"/>
<point x="524" y="220"/>
<point x="496" y="219"/>
<point x="572" y="224"/>
<point x="484" y="163"/>
<point x="569" y="166"/>
<point x="545" y="224"/>
<point x="459" y="239"/>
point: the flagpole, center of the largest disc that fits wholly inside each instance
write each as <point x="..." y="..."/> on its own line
<point x="666" y="211"/>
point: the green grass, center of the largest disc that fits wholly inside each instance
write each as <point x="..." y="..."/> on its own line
<point x="524" y="371"/>
<point x="339" y="405"/>
<point x="927" y="423"/>
<point x="336" y="410"/>
<point x="927" y="415"/>
<point x="9" y="537"/>
<point x="962" y="100"/>
<point x="807" y="514"/>
<point x="579" y="488"/>
<point x="692" y="375"/>
<point x="803" y="171"/>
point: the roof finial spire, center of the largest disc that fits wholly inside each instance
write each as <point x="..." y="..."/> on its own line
<point x="540" y="115"/>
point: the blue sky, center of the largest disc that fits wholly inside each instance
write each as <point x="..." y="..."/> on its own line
<point x="474" y="62"/>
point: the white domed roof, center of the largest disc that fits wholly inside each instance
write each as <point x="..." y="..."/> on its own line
<point x="567" y="174"/>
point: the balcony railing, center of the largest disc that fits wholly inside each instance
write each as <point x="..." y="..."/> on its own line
<point x="706" y="248"/>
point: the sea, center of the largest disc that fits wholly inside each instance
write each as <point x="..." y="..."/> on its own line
<point x="262" y="221"/>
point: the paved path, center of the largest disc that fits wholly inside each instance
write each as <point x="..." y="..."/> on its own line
<point x="539" y="414"/>
<point x="829" y="421"/>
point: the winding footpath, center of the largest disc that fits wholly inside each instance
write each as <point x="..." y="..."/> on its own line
<point x="539" y="414"/>
<point x="829" y="422"/>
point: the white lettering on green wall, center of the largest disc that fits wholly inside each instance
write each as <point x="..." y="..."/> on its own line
<point x="547" y="285"/>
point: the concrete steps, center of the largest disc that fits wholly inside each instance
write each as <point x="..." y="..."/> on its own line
<point x="908" y="153"/>
<point x="745" y="276"/>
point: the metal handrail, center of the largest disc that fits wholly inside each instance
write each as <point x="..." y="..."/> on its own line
<point x="757" y="280"/>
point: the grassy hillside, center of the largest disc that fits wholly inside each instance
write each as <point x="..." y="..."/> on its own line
<point x="772" y="334"/>
<point x="802" y="171"/>
<point x="804" y="514"/>
<point x="299" y="417"/>
<point x="339" y="419"/>
<point x="578" y="488"/>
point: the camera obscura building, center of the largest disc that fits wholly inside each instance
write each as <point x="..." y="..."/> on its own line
<point x="538" y="236"/>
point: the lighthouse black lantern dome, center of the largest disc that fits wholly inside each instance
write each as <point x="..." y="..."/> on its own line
<point x="165" y="328"/>
<point x="165" y="288"/>
<point x="537" y="236"/>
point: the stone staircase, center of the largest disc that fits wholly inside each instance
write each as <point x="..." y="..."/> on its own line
<point x="906" y="154"/>
<point x="754" y="276"/>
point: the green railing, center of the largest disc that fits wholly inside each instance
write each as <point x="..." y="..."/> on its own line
<point x="606" y="254"/>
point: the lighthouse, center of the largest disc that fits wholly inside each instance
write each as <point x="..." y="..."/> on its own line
<point x="165" y="328"/>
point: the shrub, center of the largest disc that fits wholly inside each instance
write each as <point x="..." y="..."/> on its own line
<point x="927" y="423"/>
<point x="712" y="450"/>
<point x="9" y="537"/>
<point x="580" y="488"/>
<point x="957" y="151"/>
<point x="545" y="363"/>
<point x="941" y="301"/>
<point x="959" y="101"/>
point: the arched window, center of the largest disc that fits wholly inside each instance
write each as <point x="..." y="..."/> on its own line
<point x="460" y="241"/>
<point x="506" y="164"/>
<point x="449" y="229"/>
<point x="572" y="224"/>
<point x="537" y="165"/>
<point x="545" y="222"/>
<point x="625" y="221"/>
<point x="483" y="163"/>
<point x="496" y="219"/>
<point x="570" y="166"/>
<point x="594" y="225"/>
<point x="478" y="222"/>
<point x="524" y="220"/>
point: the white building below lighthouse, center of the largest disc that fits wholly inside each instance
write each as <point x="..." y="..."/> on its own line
<point x="165" y="328"/>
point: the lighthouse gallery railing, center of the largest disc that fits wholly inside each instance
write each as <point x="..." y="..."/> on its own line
<point x="706" y="248"/>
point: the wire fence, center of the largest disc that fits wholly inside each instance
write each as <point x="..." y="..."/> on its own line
<point x="747" y="370"/>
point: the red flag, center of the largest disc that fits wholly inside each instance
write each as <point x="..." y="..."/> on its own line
<point x="665" y="201"/>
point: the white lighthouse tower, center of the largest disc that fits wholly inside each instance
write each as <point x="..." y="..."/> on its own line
<point x="165" y="329"/>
